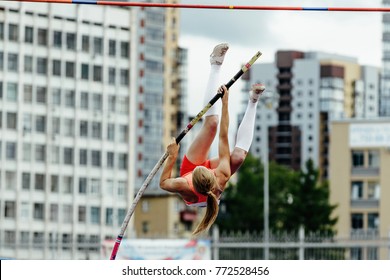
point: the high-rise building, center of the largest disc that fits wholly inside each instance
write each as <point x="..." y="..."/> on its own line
<point x="313" y="89"/>
<point x="82" y="89"/>
<point x="385" y="85"/>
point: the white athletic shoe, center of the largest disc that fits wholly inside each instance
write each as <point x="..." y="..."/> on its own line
<point x="256" y="92"/>
<point x="218" y="54"/>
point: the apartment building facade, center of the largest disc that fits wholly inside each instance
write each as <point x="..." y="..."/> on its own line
<point x="81" y="123"/>
<point x="313" y="88"/>
<point x="360" y="183"/>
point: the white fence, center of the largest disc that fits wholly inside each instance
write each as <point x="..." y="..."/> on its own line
<point x="359" y="245"/>
<point x="365" y="245"/>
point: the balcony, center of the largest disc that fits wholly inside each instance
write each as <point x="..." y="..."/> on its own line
<point x="365" y="203"/>
<point x="365" y="171"/>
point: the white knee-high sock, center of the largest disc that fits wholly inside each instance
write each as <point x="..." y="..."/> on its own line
<point x="211" y="90"/>
<point x="246" y="128"/>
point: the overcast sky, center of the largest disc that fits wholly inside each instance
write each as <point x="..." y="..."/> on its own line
<point x="357" y="34"/>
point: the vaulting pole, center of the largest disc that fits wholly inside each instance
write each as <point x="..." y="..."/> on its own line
<point x="220" y="7"/>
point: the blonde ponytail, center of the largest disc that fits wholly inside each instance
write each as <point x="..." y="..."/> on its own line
<point x="210" y="216"/>
<point x="204" y="182"/>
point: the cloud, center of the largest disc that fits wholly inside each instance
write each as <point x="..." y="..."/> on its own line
<point x="326" y="31"/>
<point x="356" y="34"/>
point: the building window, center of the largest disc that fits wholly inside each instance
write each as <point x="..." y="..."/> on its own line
<point x="67" y="184"/>
<point x="27" y="123"/>
<point x="57" y="39"/>
<point x="42" y="65"/>
<point x="124" y="77"/>
<point x="125" y="49"/>
<point x="111" y="47"/>
<point x="56" y="67"/>
<point x="69" y="127"/>
<point x="111" y="103"/>
<point x="12" y="92"/>
<point x="40" y="153"/>
<point x="373" y="190"/>
<point x="82" y="185"/>
<point x="39" y="211"/>
<point x="111" y="75"/>
<point x="122" y="161"/>
<point x="357" y="159"/>
<point x="56" y="125"/>
<point x="83" y="157"/>
<point x="40" y="124"/>
<point x="27" y="94"/>
<point x="41" y="95"/>
<point x="373" y="220"/>
<point x="111" y="132"/>
<point x="26" y="179"/>
<point x="25" y="211"/>
<point x="13" y="32"/>
<point x="97" y="73"/>
<point x="123" y="133"/>
<point x="42" y="37"/>
<point x="11" y="120"/>
<point x="97" y="101"/>
<point x="357" y="221"/>
<point x="26" y="152"/>
<point x="10" y="180"/>
<point x="83" y="129"/>
<point x="84" y="100"/>
<point x="82" y="214"/>
<point x="123" y="106"/>
<point x="96" y="158"/>
<point x="56" y="96"/>
<point x="109" y="216"/>
<point x="145" y="206"/>
<point x="12" y="62"/>
<point x="67" y="213"/>
<point x="84" y="71"/>
<point x="54" y="212"/>
<point x="110" y="160"/>
<point x="39" y="182"/>
<point x="95" y="215"/>
<point x="69" y="98"/>
<point x="145" y="227"/>
<point x="95" y="186"/>
<point x="122" y="188"/>
<point x="9" y="238"/>
<point x="70" y="69"/>
<point x="97" y="45"/>
<point x="373" y="159"/>
<point x="28" y="64"/>
<point x="357" y="190"/>
<point x="10" y="152"/>
<point x="121" y="215"/>
<point x="24" y="238"/>
<point x="54" y="184"/>
<point x="10" y="209"/>
<point x="96" y="130"/>
<point x="68" y="155"/>
<point x="71" y="41"/>
<point x="85" y="43"/>
<point x="55" y="154"/>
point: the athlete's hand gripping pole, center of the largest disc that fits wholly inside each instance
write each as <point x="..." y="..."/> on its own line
<point x="148" y="179"/>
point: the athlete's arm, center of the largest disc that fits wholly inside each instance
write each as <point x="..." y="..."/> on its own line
<point x="223" y="146"/>
<point x="166" y="182"/>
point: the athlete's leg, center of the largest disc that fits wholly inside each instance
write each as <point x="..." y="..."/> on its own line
<point x="199" y="149"/>
<point x="246" y="130"/>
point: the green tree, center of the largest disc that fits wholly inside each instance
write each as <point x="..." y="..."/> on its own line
<point x="310" y="203"/>
<point x="295" y="199"/>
